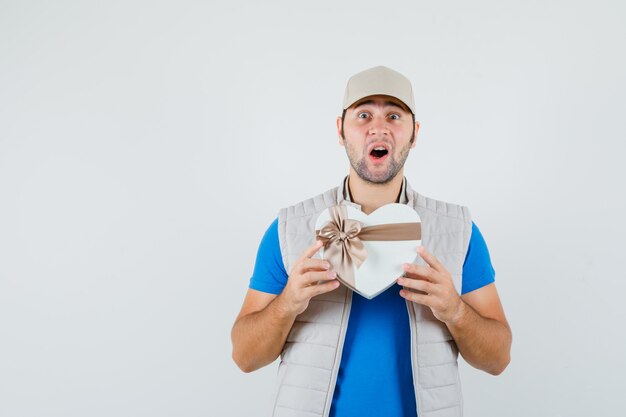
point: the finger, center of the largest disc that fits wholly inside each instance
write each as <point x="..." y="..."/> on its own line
<point x="322" y="288"/>
<point x="422" y="286"/>
<point x="431" y="259"/>
<point x="310" y="278"/>
<point x="417" y="298"/>
<point x="311" y="264"/>
<point x="306" y="254"/>
<point x="311" y="250"/>
<point x="419" y="272"/>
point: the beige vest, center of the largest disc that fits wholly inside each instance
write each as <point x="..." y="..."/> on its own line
<point x="310" y="358"/>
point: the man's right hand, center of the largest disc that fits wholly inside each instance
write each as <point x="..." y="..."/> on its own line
<point x="262" y="327"/>
<point x="302" y="284"/>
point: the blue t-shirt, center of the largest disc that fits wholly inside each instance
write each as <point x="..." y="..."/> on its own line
<point x="378" y="334"/>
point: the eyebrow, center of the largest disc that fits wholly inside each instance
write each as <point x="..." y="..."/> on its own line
<point x="387" y="103"/>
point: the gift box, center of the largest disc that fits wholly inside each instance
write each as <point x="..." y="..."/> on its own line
<point x="367" y="251"/>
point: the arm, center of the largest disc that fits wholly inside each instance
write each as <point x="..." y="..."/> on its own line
<point x="481" y="331"/>
<point x="476" y="320"/>
<point x="261" y="329"/>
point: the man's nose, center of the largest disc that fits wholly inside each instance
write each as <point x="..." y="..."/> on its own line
<point x="379" y="126"/>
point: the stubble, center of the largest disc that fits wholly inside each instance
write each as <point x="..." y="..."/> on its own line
<point x="360" y="165"/>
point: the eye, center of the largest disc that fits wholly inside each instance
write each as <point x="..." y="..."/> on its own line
<point x="362" y="113"/>
<point x="395" y="116"/>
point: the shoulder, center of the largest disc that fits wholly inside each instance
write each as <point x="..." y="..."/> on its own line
<point x="430" y="206"/>
<point x="442" y="208"/>
<point x="478" y="245"/>
<point x="309" y="206"/>
<point x="269" y="242"/>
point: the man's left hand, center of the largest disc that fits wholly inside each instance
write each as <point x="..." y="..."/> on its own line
<point x="432" y="286"/>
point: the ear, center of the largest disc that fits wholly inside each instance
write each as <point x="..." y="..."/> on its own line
<point x="417" y="128"/>
<point x="339" y="131"/>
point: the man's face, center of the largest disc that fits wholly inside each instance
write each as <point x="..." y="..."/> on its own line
<point x="377" y="131"/>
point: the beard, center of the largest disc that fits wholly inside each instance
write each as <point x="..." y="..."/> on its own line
<point x="360" y="165"/>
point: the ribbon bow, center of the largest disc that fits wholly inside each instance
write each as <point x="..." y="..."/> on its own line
<point x="343" y="246"/>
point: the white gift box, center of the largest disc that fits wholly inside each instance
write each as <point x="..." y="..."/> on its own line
<point x="383" y="265"/>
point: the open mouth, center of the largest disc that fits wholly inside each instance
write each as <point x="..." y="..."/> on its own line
<point x="379" y="152"/>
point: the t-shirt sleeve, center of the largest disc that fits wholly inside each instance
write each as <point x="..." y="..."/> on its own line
<point x="477" y="268"/>
<point x="269" y="271"/>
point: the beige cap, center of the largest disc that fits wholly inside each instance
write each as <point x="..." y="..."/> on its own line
<point x="379" y="80"/>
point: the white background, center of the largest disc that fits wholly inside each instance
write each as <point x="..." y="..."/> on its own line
<point x="146" y="146"/>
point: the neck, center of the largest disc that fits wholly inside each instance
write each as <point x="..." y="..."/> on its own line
<point x="371" y="196"/>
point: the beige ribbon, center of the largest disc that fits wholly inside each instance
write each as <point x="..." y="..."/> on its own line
<point x="343" y="237"/>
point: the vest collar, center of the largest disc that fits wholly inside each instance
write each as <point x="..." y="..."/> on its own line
<point x="406" y="196"/>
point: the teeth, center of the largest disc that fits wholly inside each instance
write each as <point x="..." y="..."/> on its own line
<point x="379" y="148"/>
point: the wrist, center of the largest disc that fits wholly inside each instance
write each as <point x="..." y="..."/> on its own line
<point x="461" y="313"/>
<point x="284" y="308"/>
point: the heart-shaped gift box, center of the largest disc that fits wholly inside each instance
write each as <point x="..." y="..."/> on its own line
<point x="367" y="251"/>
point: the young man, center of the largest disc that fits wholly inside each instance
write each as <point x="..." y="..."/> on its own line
<point x="396" y="354"/>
